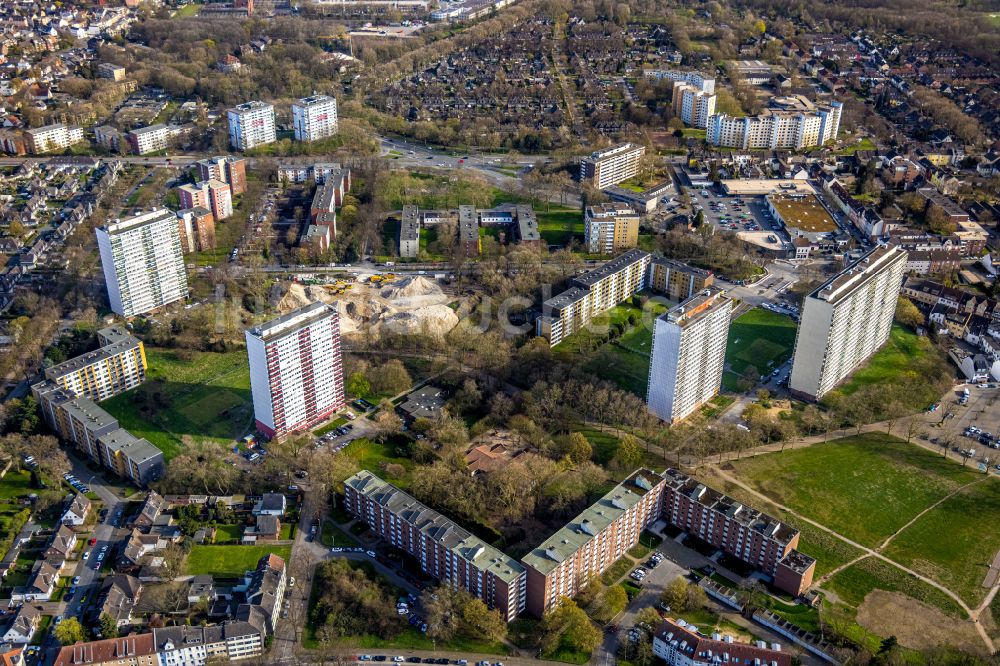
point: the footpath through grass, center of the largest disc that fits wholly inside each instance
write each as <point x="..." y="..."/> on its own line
<point x="863" y="487"/>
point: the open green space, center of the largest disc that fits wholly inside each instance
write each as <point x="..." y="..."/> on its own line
<point x="899" y="361"/>
<point x="864" y="144"/>
<point x="187" y="11"/>
<point x="961" y="559"/>
<point x="375" y="456"/>
<point x="230" y="561"/>
<point x="854" y="583"/>
<point x="205" y="395"/>
<point x="559" y="225"/>
<point x="863" y="487"/>
<point x="759" y="338"/>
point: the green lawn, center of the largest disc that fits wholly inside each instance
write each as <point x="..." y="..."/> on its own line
<point x="187" y="11"/>
<point x="206" y="397"/>
<point x="863" y="487"/>
<point x="864" y="144"/>
<point x="230" y="561"/>
<point x="760" y="338"/>
<point x="371" y="455"/>
<point x="331" y="426"/>
<point x="854" y="583"/>
<point x="959" y="561"/>
<point x="558" y="225"/>
<point x="227" y="533"/>
<point x="902" y="361"/>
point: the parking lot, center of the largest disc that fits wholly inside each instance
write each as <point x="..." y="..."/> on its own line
<point x="971" y="427"/>
<point x="744" y="214"/>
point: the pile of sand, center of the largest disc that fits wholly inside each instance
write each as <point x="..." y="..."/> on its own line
<point x="411" y="306"/>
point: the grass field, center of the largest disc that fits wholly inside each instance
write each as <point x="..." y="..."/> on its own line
<point x="897" y="361"/>
<point x="230" y="561"/>
<point x="959" y="561"/>
<point x="206" y="397"/>
<point x="558" y="225"/>
<point x="863" y="487"/>
<point x="187" y="11"/>
<point x="373" y="456"/>
<point x="854" y="583"/>
<point x="760" y="338"/>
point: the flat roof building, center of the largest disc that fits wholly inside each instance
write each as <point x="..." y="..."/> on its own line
<point x="590" y="543"/>
<point x="444" y="550"/>
<point x="604" y="168"/>
<point x="296" y="374"/>
<point x="688" y="354"/>
<point x="143" y="262"/>
<point x="314" y="117"/>
<point x="409" y="231"/>
<point x="251" y="125"/>
<point x="610" y="228"/>
<point x="845" y="320"/>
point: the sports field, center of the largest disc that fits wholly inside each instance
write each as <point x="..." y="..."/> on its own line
<point x="871" y="488"/>
<point x="204" y="395"/>
<point x="759" y="338"/>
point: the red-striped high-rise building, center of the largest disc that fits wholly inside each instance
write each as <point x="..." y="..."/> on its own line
<point x="296" y="374"/>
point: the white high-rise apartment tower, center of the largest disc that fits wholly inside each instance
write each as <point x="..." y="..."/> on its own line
<point x="251" y="125"/>
<point x="296" y="375"/>
<point x="314" y="117"/>
<point x="689" y="351"/>
<point x="845" y="320"/>
<point x="143" y="262"/>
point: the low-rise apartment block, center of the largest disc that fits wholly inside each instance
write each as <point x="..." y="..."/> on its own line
<point x="680" y="644"/>
<point x="610" y="227"/>
<point x="150" y="139"/>
<point x="565" y="562"/>
<point x="676" y="280"/>
<point x="133" y="650"/>
<point x="517" y="221"/>
<point x="409" y="231"/>
<point x="250" y="125"/>
<point x="604" y="168"/>
<point x="52" y="137"/>
<point x="314" y="117"/>
<point x="591" y="294"/>
<point x="757" y="539"/>
<point x="845" y="320"/>
<point x="444" y="550"/>
<point x="108" y="70"/>
<point x="228" y="169"/>
<point x="688" y="354"/>
<point x="143" y="262"/>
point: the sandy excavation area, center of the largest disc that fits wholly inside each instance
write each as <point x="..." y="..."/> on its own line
<point x="408" y="306"/>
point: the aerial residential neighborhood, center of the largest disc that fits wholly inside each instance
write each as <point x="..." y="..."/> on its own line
<point x="499" y="333"/>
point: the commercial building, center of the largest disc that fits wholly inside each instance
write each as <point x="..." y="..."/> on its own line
<point x="197" y="229"/>
<point x="143" y="262"/>
<point x="753" y="537"/>
<point x="52" y="137"/>
<point x="676" y="280"/>
<point x="845" y="320"/>
<point x="604" y="168"/>
<point x="610" y="227"/>
<point x="150" y="139"/>
<point x="696" y="79"/>
<point x="409" y="231"/>
<point x="681" y="644"/>
<point x="214" y="195"/>
<point x="776" y="129"/>
<point x="802" y="215"/>
<point x="296" y="375"/>
<point x="251" y="125"/>
<point x="692" y="105"/>
<point x="314" y="117"/>
<point x="754" y="72"/>
<point x="590" y="543"/>
<point x="688" y="354"/>
<point x="592" y="293"/>
<point x="228" y="169"/>
<point x="445" y="550"/>
<point x="118" y="365"/>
